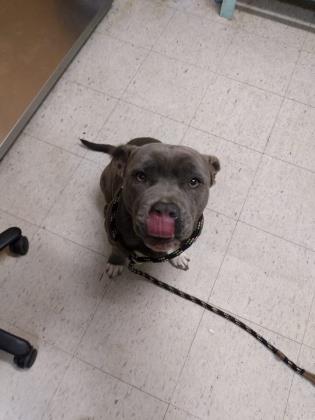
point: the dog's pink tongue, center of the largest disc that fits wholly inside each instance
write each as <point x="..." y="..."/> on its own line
<point x="160" y="225"/>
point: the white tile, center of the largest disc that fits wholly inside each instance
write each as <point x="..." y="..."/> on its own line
<point x="271" y="29"/>
<point x="309" y="44"/>
<point x="106" y="64"/>
<point x="228" y="374"/>
<point x="197" y="7"/>
<point x="78" y="214"/>
<point x="70" y="111"/>
<point x="141" y="334"/>
<point x="53" y="292"/>
<point x="261" y="62"/>
<point x="234" y="111"/>
<point x="139" y="21"/>
<point x="309" y="338"/>
<point x="168" y="87"/>
<point x="238" y="166"/>
<point x="302" y="84"/>
<point x="267" y="280"/>
<point x="174" y="413"/>
<point x="301" y="401"/>
<point x="129" y="121"/>
<point x="32" y="175"/>
<point x="281" y="202"/>
<point x="88" y="393"/>
<point x="195" y="40"/>
<point x="292" y="138"/>
<point x="25" y="393"/>
<point x="206" y="256"/>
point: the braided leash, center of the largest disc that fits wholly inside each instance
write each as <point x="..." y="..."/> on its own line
<point x="307" y="375"/>
<point x="134" y="259"/>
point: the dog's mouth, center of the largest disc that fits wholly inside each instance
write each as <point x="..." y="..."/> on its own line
<point x="160" y="230"/>
<point x="161" y="245"/>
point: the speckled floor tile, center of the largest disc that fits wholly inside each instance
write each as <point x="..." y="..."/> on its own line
<point x="233" y="111"/>
<point x="78" y="214"/>
<point x="168" y="87"/>
<point x="281" y="202"/>
<point x="70" y="111"/>
<point x="32" y="175"/>
<point x="174" y="413"/>
<point x="261" y="62"/>
<point x="88" y="393"/>
<point x="195" y="40"/>
<point x="302" y="84"/>
<point x="272" y="29"/>
<point x="267" y="280"/>
<point x="140" y="21"/>
<point x="141" y="334"/>
<point x="106" y="64"/>
<point x="197" y="7"/>
<point x="292" y="138"/>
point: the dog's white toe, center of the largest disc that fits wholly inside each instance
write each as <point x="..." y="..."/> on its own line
<point x="113" y="270"/>
<point x="181" y="262"/>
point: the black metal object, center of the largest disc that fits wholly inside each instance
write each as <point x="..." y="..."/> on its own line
<point x="24" y="353"/>
<point x="13" y="238"/>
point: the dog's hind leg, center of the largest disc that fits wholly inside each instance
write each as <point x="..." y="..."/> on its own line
<point x="116" y="262"/>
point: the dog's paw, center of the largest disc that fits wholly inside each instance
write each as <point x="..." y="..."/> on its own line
<point x="113" y="270"/>
<point x="181" y="262"/>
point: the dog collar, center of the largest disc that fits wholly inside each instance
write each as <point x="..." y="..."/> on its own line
<point x="115" y="236"/>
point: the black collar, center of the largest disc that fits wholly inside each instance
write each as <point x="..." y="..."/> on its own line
<point x="115" y="236"/>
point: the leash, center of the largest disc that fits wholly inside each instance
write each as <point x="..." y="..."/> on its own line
<point x="135" y="259"/>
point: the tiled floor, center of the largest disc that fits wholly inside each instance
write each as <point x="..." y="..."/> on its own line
<point x="123" y="349"/>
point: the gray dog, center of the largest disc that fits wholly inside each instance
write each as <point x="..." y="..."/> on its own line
<point x="165" y="190"/>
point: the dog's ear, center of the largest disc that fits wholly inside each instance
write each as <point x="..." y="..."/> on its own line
<point x="214" y="167"/>
<point x="120" y="157"/>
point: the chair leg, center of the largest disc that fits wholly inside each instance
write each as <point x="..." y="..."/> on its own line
<point x="24" y="353"/>
<point x="227" y="8"/>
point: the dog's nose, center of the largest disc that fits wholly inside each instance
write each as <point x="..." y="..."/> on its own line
<point x="168" y="209"/>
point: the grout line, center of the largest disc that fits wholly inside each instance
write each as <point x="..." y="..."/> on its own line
<point x="203" y="310"/>
<point x="48" y="403"/>
<point x="106" y="287"/>
<point x="275" y="235"/>
<point x="73" y="242"/>
<point x="119" y="379"/>
<point x="42" y="221"/>
<point x="298" y="356"/>
<point x="166" y="411"/>
<point x="182" y="409"/>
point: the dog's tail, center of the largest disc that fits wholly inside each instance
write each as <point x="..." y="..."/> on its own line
<point x="99" y="147"/>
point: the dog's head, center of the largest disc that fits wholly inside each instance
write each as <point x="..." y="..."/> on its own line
<point x="165" y="189"/>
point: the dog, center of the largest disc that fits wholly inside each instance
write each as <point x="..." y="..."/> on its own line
<point x="165" y="189"/>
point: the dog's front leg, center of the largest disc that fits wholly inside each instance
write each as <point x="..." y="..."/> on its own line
<point x="116" y="262"/>
<point x="181" y="262"/>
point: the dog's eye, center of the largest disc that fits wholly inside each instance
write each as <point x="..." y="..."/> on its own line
<point x="194" y="182"/>
<point x="141" y="177"/>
